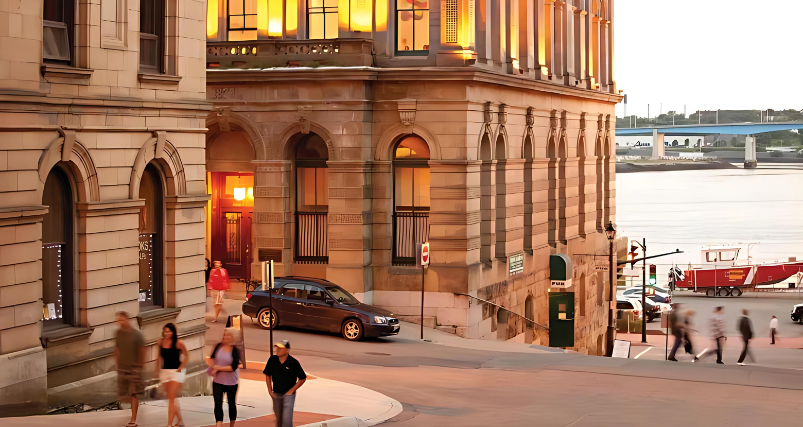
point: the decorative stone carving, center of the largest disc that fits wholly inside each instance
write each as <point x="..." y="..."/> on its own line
<point x="502" y="114"/>
<point x="487" y="115"/>
<point x="530" y="116"/>
<point x="304" y="113"/>
<point x="407" y="111"/>
<point x="223" y="118"/>
<point x="582" y="121"/>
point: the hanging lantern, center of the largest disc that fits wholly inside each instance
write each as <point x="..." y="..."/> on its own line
<point x="239" y="193"/>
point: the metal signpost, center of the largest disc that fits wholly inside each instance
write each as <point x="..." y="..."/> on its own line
<point x="422" y="257"/>
<point x="267" y="285"/>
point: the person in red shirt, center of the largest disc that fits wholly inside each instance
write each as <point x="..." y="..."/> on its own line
<point x="218" y="284"/>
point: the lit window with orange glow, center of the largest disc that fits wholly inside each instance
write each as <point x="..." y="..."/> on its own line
<point x="381" y="15"/>
<point x="412" y="26"/>
<point x="291" y="18"/>
<point x="275" y="17"/>
<point x="212" y="19"/>
<point x="360" y="14"/>
<point x="242" y="20"/>
<point x="322" y="19"/>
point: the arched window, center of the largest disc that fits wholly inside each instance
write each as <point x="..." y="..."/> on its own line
<point x="552" y="178"/>
<point x="151" y="239"/>
<point x="487" y="201"/>
<point x="58" y="250"/>
<point x="411" y="182"/>
<point x="312" y="200"/>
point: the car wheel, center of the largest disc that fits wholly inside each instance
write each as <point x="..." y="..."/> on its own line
<point x="352" y="329"/>
<point x="723" y="292"/>
<point x="710" y="292"/>
<point x="736" y="292"/>
<point x="265" y="320"/>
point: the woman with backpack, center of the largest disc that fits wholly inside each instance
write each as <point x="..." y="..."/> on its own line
<point x="224" y="366"/>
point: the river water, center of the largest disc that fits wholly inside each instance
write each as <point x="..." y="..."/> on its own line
<point x="687" y="210"/>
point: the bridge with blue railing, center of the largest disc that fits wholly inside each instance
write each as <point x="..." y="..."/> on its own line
<point x="747" y="129"/>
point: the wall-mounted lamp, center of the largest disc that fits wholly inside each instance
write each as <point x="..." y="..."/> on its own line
<point x="239" y="193"/>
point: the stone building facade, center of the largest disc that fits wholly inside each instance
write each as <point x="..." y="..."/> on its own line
<point x="102" y="192"/>
<point x="491" y="139"/>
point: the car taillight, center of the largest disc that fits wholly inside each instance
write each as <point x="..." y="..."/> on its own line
<point x="636" y="313"/>
<point x="248" y="295"/>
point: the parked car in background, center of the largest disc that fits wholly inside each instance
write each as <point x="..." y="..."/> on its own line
<point x="317" y="304"/>
<point x="797" y="313"/>
<point x="658" y="294"/>
<point x="629" y="304"/>
<point x="653" y="309"/>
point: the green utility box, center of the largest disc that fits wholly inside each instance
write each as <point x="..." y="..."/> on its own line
<point x="561" y="319"/>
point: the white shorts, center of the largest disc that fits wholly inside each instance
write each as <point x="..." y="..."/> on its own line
<point x="172" y="375"/>
<point x="217" y="297"/>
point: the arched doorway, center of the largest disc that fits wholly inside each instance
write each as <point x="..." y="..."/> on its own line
<point x="529" y="313"/>
<point x="230" y="181"/>
<point x="487" y="201"/>
<point x="501" y="324"/>
<point x="151" y="239"/>
<point x="411" y="201"/>
<point x="312" y="200"/>
<point x="58" y="250"/>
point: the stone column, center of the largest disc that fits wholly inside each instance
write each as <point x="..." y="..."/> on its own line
<point x="540" y="203"/>
<point x="487" y="209"/>
<point x="611" y="81"/>
<point x="567" y="44"/>
<point x="273" y="219"/>
<point x="559" y="32"/>
<point x="555" y="224"/>
<point x="569" y="199"/>
<point x="511" y="17"/>
<point x="108" y="267"/>
<point x="593" y="55"/>
<point x="580" y="47"/>
<point x="382" y="217"/>
<point x="350" y="225"/>
<point x="484" y="39"/>
<point x="509" y="207"/>
<point x="498" y="34"/>
<point x="604" y="55"/>
<point x="657" y="144"/>
<point x="528" y="41"/>
<point x="185" y="284"/>
<point x="750" y="158"/>
<point x="548" y="23"/>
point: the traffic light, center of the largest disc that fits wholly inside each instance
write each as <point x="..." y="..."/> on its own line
<point x="653" y="275"/>
<point x="633" y="254"/>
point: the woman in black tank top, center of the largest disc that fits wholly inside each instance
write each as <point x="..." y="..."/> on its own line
<point x="173" y="357"/>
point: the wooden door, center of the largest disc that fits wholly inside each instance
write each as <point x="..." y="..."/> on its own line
<point x="231" y="227"/>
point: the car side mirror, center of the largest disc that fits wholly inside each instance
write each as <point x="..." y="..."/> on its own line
<point x="329" y="301"/>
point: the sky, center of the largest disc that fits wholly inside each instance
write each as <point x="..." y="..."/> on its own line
<point x="708" y="55"/>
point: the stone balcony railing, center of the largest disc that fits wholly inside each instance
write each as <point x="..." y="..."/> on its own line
<point x="289" y="53"/>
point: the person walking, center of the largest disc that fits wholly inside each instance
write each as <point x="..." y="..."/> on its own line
<point x="283" y="375"/>
<point x="173" y="357"/>
<point x="129" y="356"/>
<point x="224" y="368"/>
<point x="773" y="328"/>
<point x="718" y="333"/>
<point x="676" y="326"/>
<point x="688" y="321"/>
<point x="746" y="329"/>
<point x="218" y="284"/>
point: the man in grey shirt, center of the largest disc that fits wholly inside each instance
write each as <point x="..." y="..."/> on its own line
<point x="129" y="356"/>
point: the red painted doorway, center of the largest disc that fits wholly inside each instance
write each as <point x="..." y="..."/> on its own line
<point x="232" y="208"/>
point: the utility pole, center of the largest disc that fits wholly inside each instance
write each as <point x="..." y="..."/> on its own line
<point x="644" y="293"/>
<point x="717" y="115"/>
<point x="648" y="113"/>
<point x="699" y="115"/>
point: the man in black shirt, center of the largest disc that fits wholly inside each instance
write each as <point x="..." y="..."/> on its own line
<point x="283" y="375"/>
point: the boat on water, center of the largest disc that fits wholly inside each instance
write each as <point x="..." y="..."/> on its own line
<point x="722" y="273"/>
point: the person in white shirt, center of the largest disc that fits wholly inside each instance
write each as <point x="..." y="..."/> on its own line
<point x="718" y="333"/>
<point x="773" y="328"/>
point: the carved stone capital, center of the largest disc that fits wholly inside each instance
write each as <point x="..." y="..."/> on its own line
<point x="223" y="118"/>
<point x="530" y="116"/>
<point x="502" y="114"/>
<point x="407" y="111"/>
<point x="487" y="116"/>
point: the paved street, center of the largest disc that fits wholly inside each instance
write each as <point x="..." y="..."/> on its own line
<point x="455" y="382"/>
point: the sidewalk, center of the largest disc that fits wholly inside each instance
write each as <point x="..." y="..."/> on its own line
<point x="337" y="403"/>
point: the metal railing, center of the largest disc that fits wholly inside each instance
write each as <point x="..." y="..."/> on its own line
<point x="503" y="308"/>
<point x="312" y="237"/>
<point x="409" y="228"/>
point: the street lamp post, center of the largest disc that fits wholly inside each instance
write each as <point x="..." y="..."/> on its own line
<point x="610" y="233"/>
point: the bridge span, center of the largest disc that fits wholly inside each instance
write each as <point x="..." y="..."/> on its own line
<point x="747" y="129"/>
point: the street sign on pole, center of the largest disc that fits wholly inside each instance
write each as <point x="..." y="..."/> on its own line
<point x="423" y="255"/>
<point x="267" y="285"/>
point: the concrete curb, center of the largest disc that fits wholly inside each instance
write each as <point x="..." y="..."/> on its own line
<point x="339" y="422"/>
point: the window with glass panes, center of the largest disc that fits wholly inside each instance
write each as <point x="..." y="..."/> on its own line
<point x="322" y="19"/>
<point x="151" y="35"/>
<point x="242" y="20"/>
<point x="412" y="26"/>
<point x="57" y="30"/>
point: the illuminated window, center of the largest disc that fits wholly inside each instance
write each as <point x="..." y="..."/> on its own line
<point x="58" y="248"/>
<point x="411" y="188"/>
<point x="242" y="20"/>
<point x="151" y="239"/>
<point x="322" y="19"/>
<point x="312" y="200"/>
<point x="412" y="26"/>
